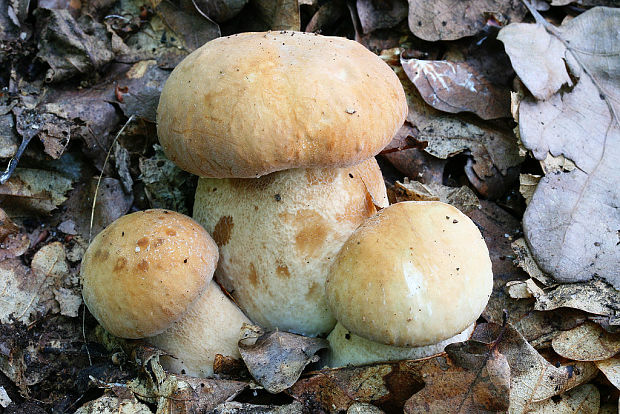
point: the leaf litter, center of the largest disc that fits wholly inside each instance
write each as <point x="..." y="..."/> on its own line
<point x="40" y="247"/>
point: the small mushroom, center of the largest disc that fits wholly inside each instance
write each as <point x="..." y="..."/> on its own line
<point x="412" y="276"/>
<point x="148" y="275"/>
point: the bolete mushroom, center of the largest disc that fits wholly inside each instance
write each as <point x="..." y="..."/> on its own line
<point x="278" y="235"/>
<point x="249" y="104"/>
<point x="148" y="275"/>
<point x="414" y="275"/>
<point x="306" y="113"/>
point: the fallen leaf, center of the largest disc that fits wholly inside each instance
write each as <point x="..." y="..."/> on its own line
<point x="453" y="19"/>
<point x="30" y="189"/>
<point x="526" y="262"/>
<point x="70" y="47"/>
<point x="494" y="151"/>
<point x="532" y="377"/>
<point x="587" y="342"/>
<point x="277" y="359"/>
<point x="462" y="198"/>
<point x="109" y="404"/>
<point x="383" y="14"/>
<point x="584" y="399"/>
<point x="527" y="185"/>
<point x="143" y="83"/>
<point x="166" y="185"/>
<point x="572" y="221"/>
<point x="13" y="243"/>
<point x="189" y="25"/>
<point x="457" y="87"/>
<point x="279" y="14"/>
<point x="245" y="408"/>
<point x="595" y="297"/>
<point x="611" y="368"/>
<point x="220" y="10"/>
<point x="9" y="141"/>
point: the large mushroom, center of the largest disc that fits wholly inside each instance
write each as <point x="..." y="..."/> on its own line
<point x="408" y="281"/>
<point x="148" y="275"/>
<point x="304" y="112"/>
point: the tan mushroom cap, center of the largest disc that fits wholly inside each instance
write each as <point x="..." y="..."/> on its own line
<point x="145" y="270"/>
<point x="279" y="234"/>
<point x="253" y="103"/>
<point x="414" y="274"/>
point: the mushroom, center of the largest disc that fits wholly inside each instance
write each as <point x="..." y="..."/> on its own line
<point x="278" y="235"/>
<point x="414" y="275"/>
<point x="304" y="112"/>
<point x="148" y="275"/>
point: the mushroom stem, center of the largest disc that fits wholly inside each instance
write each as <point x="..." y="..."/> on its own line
<point x="211" y="326"/>
<point x="346" y="348"/>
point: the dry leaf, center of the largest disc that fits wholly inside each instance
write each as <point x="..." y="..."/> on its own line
<point x="611" y="368"/>
<point x="526" y="262"/>
<point x="457" y="87"/>
<point x="587" y="342"/>
<point x="37" y="190"/>
<point x="279" y="14"/>
<point x="584" y="399"/>
<point x="453" y="19"/>
<point x="532" y="378"/>
<point x="572" y="222"/>
<point x="383" y="14"/>
<point x="141" y="86"/>
<point x="195" y="30"/>
<point x="244" y="408"/>
<point x="71" y="47"/>
<point x="494" y="151"/>
<point x="595" y="297"/>
<point x="277" y="359"/>
<point x="12" y="242"/>
<point x="109" y="404"/>
<point x="462" y="198"/>
<point x="527" y="186"/>
<point x="220" y="10"/>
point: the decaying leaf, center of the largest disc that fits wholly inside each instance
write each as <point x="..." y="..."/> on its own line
<point x="276" y="359"/>
<point x="141" y="86"/>
<point x="176" y="394"/>
<point x="611" y="368"/>
<point x="453" y="19"/>
<point x="244" y="408"/>
<point x="71" y="47"/>
<point x="595" y="297"/>
<point x="584" y="399"/>
<point x="494" y="151"/>
<point x="166" y="185"/>
<point x="12" y="242"/>
<point x="457" y="87"/>
<point x="109" y="404"/>
<point x="532" y="378"/>
<point x="375" y="15"/>
<point x="30" y="189"/>
<point x="526" y="262"/>
<point x="220" y="10"/>
<point x="527" y="186"/>
<point x="587" y="342"/>
<point x="279" y="14"/>
<point x="462" y="198"/>
<point x="572" y="221"/>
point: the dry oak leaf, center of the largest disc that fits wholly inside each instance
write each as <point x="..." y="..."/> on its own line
<point x="13" y="243"/>
<point x="457" y="87"/>
<point x="383" y="14"/>
<point x="31" y="189"/>
<point x="494" y="150"/>
<point x="276" y="359"/>
<point x="611" y="368"/>
<point x="584" y="399"/>
<point x="532" y="377"/>
<point x="572" y="223"/>
<point x="587" y="342"/>
<point x="454" y="19"/>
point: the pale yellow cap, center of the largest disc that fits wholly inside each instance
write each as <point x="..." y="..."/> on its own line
<point x="414" y="274"/>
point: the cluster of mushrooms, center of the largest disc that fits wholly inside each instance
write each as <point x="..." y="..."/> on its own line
<point x="282" y="128"/>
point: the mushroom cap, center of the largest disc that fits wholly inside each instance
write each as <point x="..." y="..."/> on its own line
<point x="414" y="274"/>
<point x="250" y="104"/>
<point x="145" y="270"/>
<point x="279" y="234"/>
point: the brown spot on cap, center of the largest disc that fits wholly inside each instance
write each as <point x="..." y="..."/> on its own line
<point x="282" y="271"/>
<point x="143" y="242"/>
<point x="253" y="275"/>
<point x="171" y="232"/>
<point x="120" y="264"/>
<point x="101" y="255"/>
<point x="223" y="230"/>
<point x="143" y="265"/>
